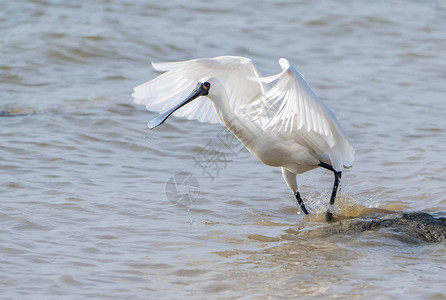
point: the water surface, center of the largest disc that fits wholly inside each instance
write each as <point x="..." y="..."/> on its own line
<point x="83" y="206"/>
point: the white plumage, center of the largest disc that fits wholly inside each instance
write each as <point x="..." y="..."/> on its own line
<point x="279" y="118"/>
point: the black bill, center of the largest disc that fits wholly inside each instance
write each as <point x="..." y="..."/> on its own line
<point x="197" y="92"/>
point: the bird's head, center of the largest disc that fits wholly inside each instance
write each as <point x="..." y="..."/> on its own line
<point x="202" y="88"/>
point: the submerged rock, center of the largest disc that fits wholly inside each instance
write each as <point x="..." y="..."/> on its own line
<point x="418" y="225"/>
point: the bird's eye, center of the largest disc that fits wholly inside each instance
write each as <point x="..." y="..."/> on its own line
<point x="207" y="85"/>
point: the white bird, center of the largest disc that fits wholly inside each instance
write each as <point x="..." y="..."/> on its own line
<point x="279" y="119"/>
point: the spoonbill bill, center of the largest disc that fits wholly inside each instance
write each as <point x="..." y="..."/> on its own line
<point x="279" y="118"/>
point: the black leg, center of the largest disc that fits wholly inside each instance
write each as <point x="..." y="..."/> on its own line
<point x="335" y="187"/>
<point x="329" y="215"/>
<point x="301" y="203"/>
<point x="327" y="166"/>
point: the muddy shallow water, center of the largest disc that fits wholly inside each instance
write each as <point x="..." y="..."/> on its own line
<point x="93" y="205"/>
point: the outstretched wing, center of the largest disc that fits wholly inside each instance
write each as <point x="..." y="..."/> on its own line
<point x="179" y="79"/>
<point x="291" y="108"/>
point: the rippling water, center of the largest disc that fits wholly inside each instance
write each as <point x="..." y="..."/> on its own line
<point x="84" y="209"/>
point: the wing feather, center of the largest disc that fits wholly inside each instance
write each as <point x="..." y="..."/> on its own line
<point x="179" y="79"/>
<point x="297" y="112"/>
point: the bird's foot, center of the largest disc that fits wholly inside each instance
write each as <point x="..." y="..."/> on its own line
<point x="329" y="216"/>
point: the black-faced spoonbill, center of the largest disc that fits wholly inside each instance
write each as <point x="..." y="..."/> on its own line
<point x="279" y="119"/>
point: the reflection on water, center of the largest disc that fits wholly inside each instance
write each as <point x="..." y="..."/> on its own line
<point x="84" y="211"/>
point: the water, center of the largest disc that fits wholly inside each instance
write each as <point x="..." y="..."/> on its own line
<point x="84" y="211"/>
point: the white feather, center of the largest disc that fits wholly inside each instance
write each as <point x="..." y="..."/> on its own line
<point x="295" y="108"/>
<point x="170" y="88"/>
<point x="289" y="108"/>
